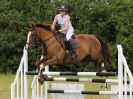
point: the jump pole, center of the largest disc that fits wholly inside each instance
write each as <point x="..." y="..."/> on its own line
<point x="74" y="73"/>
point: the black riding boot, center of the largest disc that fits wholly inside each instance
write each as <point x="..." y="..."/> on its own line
<point x="71" y="49"/>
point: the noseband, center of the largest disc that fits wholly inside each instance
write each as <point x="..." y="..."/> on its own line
<point x="30" y="45"/>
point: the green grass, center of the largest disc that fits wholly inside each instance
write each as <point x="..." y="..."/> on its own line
<point x="5" y="85"/>
<point x="7" y="79"/>
<point x="5" y="82"/>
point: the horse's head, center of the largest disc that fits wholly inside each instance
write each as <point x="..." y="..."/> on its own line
<point x="32" y="37"/>
<point x="39" y="32"/>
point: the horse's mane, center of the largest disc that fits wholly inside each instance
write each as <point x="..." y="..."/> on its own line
<point x="43" y="25"/>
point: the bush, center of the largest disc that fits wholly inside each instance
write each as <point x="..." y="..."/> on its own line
<point x="112" y="20"/>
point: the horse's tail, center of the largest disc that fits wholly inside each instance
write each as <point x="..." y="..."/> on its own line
<point x="105" y="50"/>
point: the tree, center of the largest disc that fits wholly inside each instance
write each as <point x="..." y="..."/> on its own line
<point x="110" y="19"/>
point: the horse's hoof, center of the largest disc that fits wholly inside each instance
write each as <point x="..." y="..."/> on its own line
<point x="40" y="80"/>
<point x="45" y="77"/>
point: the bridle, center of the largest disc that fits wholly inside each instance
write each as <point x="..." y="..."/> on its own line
<point x="30" y="45"/>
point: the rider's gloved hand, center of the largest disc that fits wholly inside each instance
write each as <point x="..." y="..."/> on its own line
<point x="58" y="31"/>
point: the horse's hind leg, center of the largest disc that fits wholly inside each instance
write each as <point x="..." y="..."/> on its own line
<point x="103" y="65"/>
<point x="96" y="67"/>
<point x="103" y="68"/>
<point x="100" y="67"/>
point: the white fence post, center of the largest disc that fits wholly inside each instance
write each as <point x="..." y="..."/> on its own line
<point x="18" y="85"/>
<point x="125" y="83"/>
<point x="25" y="76"/>
<point x="12" y="91"/>
<point x="120" y="72"/>
<point x="22" y="81"/>
<point x="34" y="87"/>
<point x="46" y="83"/>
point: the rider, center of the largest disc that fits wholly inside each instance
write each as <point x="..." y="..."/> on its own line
<point x="63" y="20"/>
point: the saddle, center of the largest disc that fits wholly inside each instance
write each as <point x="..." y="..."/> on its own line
<point x="73" y="41"/>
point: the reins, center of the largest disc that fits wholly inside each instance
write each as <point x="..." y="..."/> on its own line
<point x="57" y="38"/>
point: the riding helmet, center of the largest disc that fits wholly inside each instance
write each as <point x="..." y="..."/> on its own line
<point x="63" y="8"/>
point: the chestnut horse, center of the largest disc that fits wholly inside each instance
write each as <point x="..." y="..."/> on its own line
<point x="91" y="48"/>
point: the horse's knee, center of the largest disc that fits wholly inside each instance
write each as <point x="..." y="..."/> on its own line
<point x="37" y="63"/>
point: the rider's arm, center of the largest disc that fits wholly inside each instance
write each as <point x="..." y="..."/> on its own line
<point x="54" y="23"/>
<point x="67" y="22"/>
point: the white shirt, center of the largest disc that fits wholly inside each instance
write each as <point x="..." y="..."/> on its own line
<point x="61" y="20"/>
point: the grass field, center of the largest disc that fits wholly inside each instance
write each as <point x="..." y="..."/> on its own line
<point x="5" y="82"/>
<point x="7" y="79"/>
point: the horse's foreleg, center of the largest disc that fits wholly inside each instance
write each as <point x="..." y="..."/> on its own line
<point x="43" y="63"/>
<point x="41" y="77"/>
<point x="38" y="63"/>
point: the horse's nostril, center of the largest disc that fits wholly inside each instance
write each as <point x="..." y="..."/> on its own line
<point x="28" y="47"/>
<point x="30" y="50"/>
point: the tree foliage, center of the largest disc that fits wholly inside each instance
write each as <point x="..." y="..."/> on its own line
<point x="110" y="19"/>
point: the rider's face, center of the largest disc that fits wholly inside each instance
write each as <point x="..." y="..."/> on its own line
<point x="62" y="12"/>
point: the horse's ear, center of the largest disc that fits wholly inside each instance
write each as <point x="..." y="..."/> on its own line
<point x="33" y="26"/>
<point x="29" y="26"/>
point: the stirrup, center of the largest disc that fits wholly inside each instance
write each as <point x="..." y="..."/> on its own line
<point x="73" y="55"/>
<point x="74" y="52"/>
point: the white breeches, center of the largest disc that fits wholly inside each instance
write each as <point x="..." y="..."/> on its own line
<point x="69" y="33"/>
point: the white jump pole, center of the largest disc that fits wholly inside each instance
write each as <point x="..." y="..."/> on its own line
<point x="25" y="76"/>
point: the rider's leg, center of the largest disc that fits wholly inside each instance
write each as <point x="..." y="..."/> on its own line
<point x="69" y="43"/>
<point x="69" y="34"/>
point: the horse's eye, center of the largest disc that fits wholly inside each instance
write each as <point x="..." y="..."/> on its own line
<point x="33" y="34"/>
